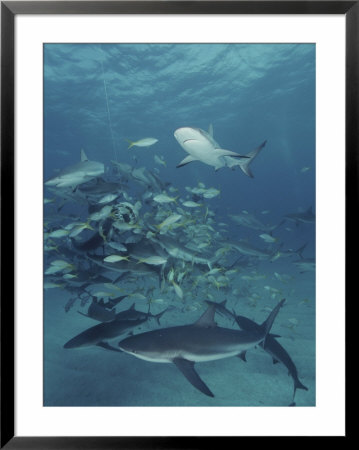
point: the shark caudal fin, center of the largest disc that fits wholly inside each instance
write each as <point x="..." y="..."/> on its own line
<point x="267" y="324"/>
<point x="299" y="385"/>
<point x="300" y="250"/>
<point x="251" y="155"/>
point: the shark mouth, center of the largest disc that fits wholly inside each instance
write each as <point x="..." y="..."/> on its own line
<point x="189" y="140"/>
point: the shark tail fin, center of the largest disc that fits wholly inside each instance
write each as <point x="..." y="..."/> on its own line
<point x="159" y="315"/>
<point x="267" y="324"/>
<point x="251" y="155"/>
<point x="300" y="250"/>
<point x="299" y="385"/>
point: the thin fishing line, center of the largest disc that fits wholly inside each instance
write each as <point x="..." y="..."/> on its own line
<point x="109" y="114"/>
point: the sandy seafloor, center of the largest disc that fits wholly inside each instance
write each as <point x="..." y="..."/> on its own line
<point x="97" y="377"/>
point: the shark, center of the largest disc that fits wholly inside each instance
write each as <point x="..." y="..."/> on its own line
<point x="126" y="266"/>
<point x="133" y="314"/>
<point x="302" y="217"/>
<point x="250" y="221"/>
<point x="201" y="146"/>
<point x="100" y="187"/>
<point x="305" y="264"/>
<point x="247" y="249"/>
<point x="270" y="345"/>
<point x="79" y="173"/>
<point x="201" y="341"/>
<point x="100" y="334"/>
<point x="179" y="251"/>
<point x="275" y="349"/>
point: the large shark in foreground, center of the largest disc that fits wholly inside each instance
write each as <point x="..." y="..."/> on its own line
<point x="201" y="146"/>
<point x="77" y="174"/>
<point x="199" y="342"/>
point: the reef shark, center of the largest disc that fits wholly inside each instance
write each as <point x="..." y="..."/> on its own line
<point x="100" y="334"/>
<point x="199" y="342"/>
<point x="270" y="344"/>
<point x="302" y="217"/>
<point x="247" y="249"/>
<point x="125" y="267"/>
<point x="77" y="174"/>
<point x="201" y="146"/>
<point x="250" y="221"/>
<point x="305" y="264"/>
<point x="275" y="349"/>
<point x="179" y="251"/>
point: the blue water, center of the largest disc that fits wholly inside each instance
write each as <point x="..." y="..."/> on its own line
<point x="97" y="96"/>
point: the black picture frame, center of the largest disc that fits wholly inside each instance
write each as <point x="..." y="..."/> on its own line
<point x="9" y="9"/>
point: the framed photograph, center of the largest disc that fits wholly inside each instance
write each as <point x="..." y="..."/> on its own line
<point x="174" y="187"/>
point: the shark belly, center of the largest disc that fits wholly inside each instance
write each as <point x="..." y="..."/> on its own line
<point x="194" y="344"/>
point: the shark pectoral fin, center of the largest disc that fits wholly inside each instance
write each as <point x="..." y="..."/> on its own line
<point x="242" y="355"/>
<point x="107" y="346"/>
<point x="187" y="368"/>
<point x="187" y="160"/>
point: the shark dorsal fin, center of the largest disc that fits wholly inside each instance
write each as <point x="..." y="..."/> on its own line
<point x="207" y="318"/>
<point x="210" y="130"/>
<point x="83" y="155"/>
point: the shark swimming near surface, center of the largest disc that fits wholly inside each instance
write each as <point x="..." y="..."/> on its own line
<point x="199" y="342"/>
<point x="201" y="146"/>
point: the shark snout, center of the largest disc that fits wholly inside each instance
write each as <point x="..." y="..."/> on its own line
<point x="185" y="133"/>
